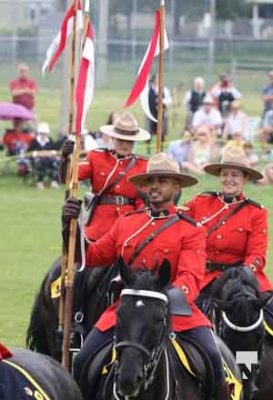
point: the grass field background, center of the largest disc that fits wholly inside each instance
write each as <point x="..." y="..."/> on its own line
<point x="30" y="219"/>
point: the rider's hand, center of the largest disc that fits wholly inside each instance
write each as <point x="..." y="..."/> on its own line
<point x="67" y="148"/>
<point x="71" y="209"/>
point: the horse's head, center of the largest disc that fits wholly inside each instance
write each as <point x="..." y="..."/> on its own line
<point x="142" y="325"/>
<point x="239" y="309"/>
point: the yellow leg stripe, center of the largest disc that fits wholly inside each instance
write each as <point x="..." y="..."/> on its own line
<point x="268" y="329"/>
<point x="182" y="356"/>
<point x="43" y="395"/>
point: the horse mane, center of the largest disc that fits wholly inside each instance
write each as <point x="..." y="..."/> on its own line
<point x="144" y="280"/>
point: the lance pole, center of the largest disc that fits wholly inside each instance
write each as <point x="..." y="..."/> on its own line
<point x="64" y="257"/>
<point x="67" y="270"/>
<point x="160" y="109"/>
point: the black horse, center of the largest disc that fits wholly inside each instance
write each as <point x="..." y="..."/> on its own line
<point x="141" y="363"/>
<point x="28" y="375"/>
<point x="90" y="297"/>
<point x="238" y="318"/>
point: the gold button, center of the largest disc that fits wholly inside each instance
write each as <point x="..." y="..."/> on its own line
<point x="143" y="260"/>
<point x="102" y="173"/>
<point x="223" y="222"/>
<point x="264" y="231"/>
<point x="118" y="208"/>
<point x="121" y="162"/>
<point x="219" y="236"/>
<point x="117" y="186"/>
<point x="153" y="223"/>
<point x="240" y="229"/>
<point x="166" y="251"/>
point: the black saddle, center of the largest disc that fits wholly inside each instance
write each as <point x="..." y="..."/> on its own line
<point x="188" y="357"/>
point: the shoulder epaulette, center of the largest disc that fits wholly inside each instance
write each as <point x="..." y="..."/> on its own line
<point x="187" y="218"/>
<point x="141" y="210"/>
<point x="254" y="203"/>
<point x="208" y="193"/>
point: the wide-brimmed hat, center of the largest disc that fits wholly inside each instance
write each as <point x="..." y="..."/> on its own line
<point x="233" y="158"/>
<point x="43" y="127"/>
<point x="125" y="127"/>
<point x="163" y="165"/>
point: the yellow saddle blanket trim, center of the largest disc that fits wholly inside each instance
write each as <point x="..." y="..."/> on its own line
<point x="40" y="393"/>
<point x="233" y="382"/>
<point x="230" y="378"/>
<point x="268" y="329"/>
<point x="182" y="356"/>
<point x="55" y="288"/>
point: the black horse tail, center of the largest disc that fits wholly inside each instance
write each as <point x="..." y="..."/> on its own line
<point x="41" y="316"/>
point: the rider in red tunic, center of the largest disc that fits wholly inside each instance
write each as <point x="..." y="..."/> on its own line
<point x="181" y="241"/>
<point x="103" y="166"/>
<point x="237" y="229"/>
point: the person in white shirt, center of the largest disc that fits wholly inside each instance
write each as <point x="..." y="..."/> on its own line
<point x="236" y="121"/>
<point x="224" y="93"/>
<point x="151" y="125"/>
<point x="209" y="117"/>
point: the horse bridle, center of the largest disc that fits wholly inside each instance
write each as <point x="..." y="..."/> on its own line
<point x="153" y="356"/>
<point x="239" y="328"/>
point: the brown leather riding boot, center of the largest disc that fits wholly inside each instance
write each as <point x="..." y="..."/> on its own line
<point x="222" y="392"/>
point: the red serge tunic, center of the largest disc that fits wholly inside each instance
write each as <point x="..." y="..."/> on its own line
<point x="101" y="168"/>
<point x="182" y="244"/>
<point x="241" y="238"/>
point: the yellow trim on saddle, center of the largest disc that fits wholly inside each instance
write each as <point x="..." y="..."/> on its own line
<point x="55" y="288"/>
<point x="105" y="368"/>
<point x="182" y="356"/>
<point x="268" y="329"/>
<point x="39" y="393"/>
<point x="233" y="382"/>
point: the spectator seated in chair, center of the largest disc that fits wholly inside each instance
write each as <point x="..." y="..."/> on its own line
<point x="16" y="140"/>
<point x="44" y="158"/>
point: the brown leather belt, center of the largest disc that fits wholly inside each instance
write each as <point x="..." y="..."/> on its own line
<point x="211" y="266"/>
<point x="117" y="200"/>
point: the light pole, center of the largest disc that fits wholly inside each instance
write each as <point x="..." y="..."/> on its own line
<point x="102" y="43"/>
<point x="211" y="50"/>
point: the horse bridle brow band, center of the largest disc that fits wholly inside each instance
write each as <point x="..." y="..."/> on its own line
<point x="144" y="293"/>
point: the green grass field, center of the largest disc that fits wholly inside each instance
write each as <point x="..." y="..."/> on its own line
<point x="30" y="219"/>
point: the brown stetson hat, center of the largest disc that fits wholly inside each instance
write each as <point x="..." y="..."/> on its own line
<point x="125" y="127"/>
<point x="161" y="164"/>
<point x="233" y="158"/>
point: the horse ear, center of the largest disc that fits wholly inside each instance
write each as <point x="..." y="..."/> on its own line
<point x="164" y="273"/>
<point x="126" y="273"/>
